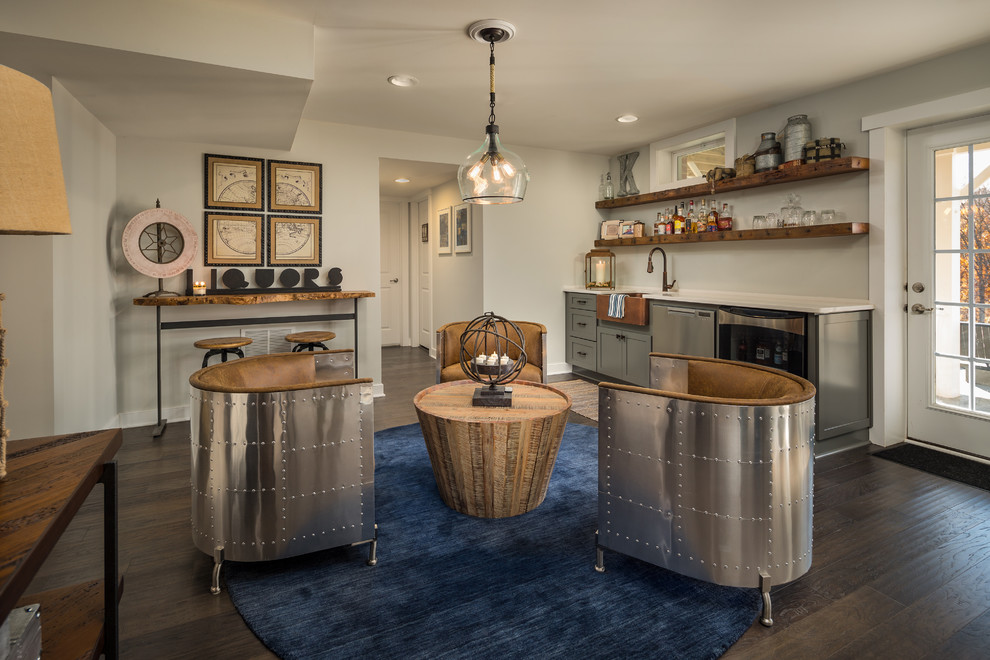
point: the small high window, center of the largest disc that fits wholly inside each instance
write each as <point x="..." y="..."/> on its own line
<point x="685" y="159"/>
<point x="696" y="160"/>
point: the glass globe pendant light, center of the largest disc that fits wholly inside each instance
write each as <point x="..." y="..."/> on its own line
<point x="492" y="174"/>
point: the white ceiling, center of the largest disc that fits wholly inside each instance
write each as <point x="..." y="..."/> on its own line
<point x="571" y="69"/>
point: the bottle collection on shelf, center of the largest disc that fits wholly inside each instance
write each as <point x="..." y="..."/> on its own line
<point x="677" y="221"/>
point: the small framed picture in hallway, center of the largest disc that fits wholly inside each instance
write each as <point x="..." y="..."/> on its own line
<point x="443" y="231"/>
<point x="462" y="228"/>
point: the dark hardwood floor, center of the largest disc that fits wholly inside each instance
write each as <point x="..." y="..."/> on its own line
<point x="901" y="558"/>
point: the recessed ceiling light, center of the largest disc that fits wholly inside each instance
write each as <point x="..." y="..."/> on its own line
<point x="626" y="119"/>
<point x="403" y="80"/>
<point x="402" y="180"/>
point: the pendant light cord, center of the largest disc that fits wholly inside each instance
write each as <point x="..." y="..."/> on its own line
<point x="491" y="77"/>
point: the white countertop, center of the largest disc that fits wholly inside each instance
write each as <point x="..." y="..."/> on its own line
<point x="806" y="304"/>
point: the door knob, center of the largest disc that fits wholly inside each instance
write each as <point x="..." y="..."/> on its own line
<point x="394" y="280"/>
<point x="918" y="308"/>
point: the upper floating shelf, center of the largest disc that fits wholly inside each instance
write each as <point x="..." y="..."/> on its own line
<point x="814" y="231"/>
<point x="781" y="175"/>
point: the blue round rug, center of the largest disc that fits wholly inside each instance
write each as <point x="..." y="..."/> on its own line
<point x="449" y="585"/>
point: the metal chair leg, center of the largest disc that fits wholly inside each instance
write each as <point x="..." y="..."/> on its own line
<point x="217" y="562"/>
<point x="766" y="618"/>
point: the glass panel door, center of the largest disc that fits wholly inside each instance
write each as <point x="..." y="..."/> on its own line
<point x="949" y="285"/>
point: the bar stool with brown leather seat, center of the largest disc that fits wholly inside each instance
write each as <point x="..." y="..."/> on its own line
<point x="222" y="346"/>
<point x="310" y="340"/>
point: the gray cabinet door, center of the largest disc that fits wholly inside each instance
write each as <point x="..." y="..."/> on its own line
<point x="637" y="360"/>
<point x="611" y="354"/>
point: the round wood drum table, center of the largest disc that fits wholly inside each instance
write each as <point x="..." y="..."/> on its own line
<point x="492" y="462"/>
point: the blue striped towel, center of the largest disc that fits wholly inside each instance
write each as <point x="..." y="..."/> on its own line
<point x="617" y="305"/>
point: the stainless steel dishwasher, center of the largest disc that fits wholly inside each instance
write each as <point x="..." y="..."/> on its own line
<point x="683" y="330"/>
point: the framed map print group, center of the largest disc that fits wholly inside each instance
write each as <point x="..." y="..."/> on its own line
<point x="258" y="190"/>
<point x="234" y="239"/>
<point x="295" y="187"/>
<point x="294" y="241"/>
<point x="234" y="183"/>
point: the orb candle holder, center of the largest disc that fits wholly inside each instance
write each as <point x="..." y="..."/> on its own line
<point x="487" y="335"/>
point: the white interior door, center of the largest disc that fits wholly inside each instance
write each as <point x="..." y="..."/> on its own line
<point x="948" y="288"/>
<point x="425" y="280"/>
<point x="391" y="271"/>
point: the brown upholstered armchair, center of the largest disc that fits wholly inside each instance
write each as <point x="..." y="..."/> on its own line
<point x="449" y="352"/>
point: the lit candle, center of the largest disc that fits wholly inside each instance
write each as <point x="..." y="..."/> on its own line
<point x="199" y="288"/>
<point x="600" y="273"/>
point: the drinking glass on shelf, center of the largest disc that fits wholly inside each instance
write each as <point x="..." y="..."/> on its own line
<point x="774" y="220"/>
<point x="759" y="222"/>
<point x="809" y="218"/>
<point x="827" y="217"/>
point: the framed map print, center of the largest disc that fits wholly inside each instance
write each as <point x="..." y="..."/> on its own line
<point x="294" y="241"/>
<point x="443" y="231"/>
<point x="295" y="187"/>
<point x="234" y="239"/>
<point x="462" y="228"/>
<point x="234" y="182"/>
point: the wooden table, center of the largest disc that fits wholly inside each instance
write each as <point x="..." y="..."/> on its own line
<point x="253" y="298"/>
<point x="492" y="462"/>
<point x="48" y="479"/>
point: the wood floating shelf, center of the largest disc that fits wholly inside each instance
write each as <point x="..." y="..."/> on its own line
<point x="781" y="175"/>
<point x="814" y="231"/>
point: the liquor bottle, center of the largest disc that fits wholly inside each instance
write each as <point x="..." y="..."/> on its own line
<point x="703" y="217"/>
<point x="679" y="220"/>
<point x="609" y="188"/>
<point x="660" y="226"/>
<point x="713" y="216"/>
<point x="669" y="216"/>
<point x="725" y="218"/>
<point x="692" y="219"/>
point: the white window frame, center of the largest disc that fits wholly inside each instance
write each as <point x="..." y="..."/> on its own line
<point x="663" y="153"/>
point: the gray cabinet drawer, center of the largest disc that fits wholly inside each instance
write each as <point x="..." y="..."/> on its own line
<point x="581" y="324"/>
<point x="581" y="301"/>
<point x="581" y="353"/>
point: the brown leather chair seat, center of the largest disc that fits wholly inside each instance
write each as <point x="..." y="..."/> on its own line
<point x="449" y="351"/>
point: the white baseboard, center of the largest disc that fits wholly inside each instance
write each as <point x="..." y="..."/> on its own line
<point x="130" y="420"/>
<point x="556" y="368"/>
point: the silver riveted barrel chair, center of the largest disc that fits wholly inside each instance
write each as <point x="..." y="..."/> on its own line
<point x="709" y="472"/>
<point x="283" y="457"/>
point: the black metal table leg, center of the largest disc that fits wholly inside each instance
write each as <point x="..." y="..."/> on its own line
<point x="162" y="423"/>
<point x="111" y="614"/>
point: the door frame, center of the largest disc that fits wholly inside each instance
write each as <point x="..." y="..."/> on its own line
<point x="414" y="267"/>
<point x="888" y="248"/>
<point x="928" y="422"/>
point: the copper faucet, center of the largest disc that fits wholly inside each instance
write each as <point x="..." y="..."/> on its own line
<point x="649" y="268"/>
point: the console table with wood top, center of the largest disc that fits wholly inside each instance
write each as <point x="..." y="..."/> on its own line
<point x="48" y="479"/>
<point x="252" y="298"/>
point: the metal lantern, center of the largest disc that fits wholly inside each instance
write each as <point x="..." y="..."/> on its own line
<point x="599" y="269"/>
